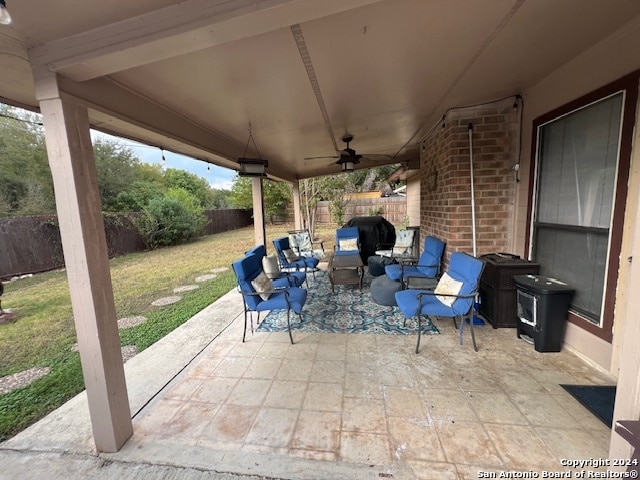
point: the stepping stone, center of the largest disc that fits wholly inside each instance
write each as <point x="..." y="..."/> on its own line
<point x="131" y="321"/>
<point x="128" y="352"/>
<point x="186" y="288"/>
<point x="205" y="278"/>
<point x="161" y="302"/>
<point x="220" y="269"/>
<point x="22" y="379"/>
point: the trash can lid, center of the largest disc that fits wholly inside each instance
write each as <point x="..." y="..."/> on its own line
<point x="506" y="259"/>
<point x="542" y="284"/>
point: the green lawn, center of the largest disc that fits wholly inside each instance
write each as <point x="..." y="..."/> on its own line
<point x="44" y="334"/>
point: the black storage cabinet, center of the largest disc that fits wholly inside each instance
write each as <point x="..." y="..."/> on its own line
<point x="543" y="305"/>
<point x="497" y="289"/>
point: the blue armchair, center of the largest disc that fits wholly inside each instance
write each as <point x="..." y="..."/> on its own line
<point x="347" y="241"/>
<point x="289" y="260"/>
<point x="427" y="266"/>
<point x="259" y="298"/>
<point x="295" y="278"/>
<point x="453" y="297"/>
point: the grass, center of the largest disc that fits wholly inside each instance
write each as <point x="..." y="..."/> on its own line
<point x="44" y="334"/>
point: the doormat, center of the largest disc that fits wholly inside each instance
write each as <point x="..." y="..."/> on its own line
<point x="597" y="399"/>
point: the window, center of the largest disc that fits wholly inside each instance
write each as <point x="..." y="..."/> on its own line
<point x="577" y="162"/>
<point x="580" y="165"/>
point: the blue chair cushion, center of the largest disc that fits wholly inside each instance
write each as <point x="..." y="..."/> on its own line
<point x="277" y="300"/>
<point x="311" y="262"/>
<point x="407" y="301"/>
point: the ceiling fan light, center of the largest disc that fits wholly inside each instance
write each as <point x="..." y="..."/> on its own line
<point x="5" y="18"/>
<point x="347" y="166"/>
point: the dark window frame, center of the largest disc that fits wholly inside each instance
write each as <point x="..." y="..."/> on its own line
<point x="628" y="83"/>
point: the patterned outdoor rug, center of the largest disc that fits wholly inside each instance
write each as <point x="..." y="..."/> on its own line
<point x="346" y="311"/>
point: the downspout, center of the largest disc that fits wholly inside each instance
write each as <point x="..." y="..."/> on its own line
<point x="473" y="197"/>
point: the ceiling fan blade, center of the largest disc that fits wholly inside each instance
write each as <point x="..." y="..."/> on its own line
<point x="376" y="157"/>
<point x="326" y="156"/>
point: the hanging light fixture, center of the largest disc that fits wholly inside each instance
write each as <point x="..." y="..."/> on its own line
<point x="252" y="167"/>
<point x="5" y="18"/>
<point x="347" y="166"/>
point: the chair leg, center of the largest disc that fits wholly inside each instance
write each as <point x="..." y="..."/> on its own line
<point x="419" y="332"/>
<point x="455" y="325"/>
<point x="244" y="332"/>
<point x="473" y="335"/>
<point x="289" y="325"/>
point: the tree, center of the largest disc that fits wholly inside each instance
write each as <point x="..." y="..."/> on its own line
<point x="195" y="185"/>
<point x="24" y="169"/>
<point x="338" y="190"/>
<point x="221" y="199"/>
<point x="276" y="196"/>
<point x="138" y="195"/>
<point x="116" y="166"/>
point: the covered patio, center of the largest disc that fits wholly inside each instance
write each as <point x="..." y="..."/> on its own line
<point x="426" y="84"/>
<point x="331" y="406"/>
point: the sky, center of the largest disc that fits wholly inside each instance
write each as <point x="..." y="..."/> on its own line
<point x="218" y="177"/>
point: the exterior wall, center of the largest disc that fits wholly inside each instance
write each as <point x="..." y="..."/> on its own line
<point x="605" y="62"/>
<point x="445" y="179"/>
<point x="613" y="58"/>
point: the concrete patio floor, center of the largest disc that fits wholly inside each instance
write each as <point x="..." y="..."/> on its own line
<point x="332" y="406"/>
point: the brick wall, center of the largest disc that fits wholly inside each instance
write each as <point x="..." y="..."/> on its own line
<point x="445" y="178"/>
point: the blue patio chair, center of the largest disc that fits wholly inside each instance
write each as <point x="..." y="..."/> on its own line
<point x="426" y="267"/>
<point x="260" y="296"/>
<point x="347" y="241"/>
<point x="453" y="297"/>
<point x="295" y="278"/>
<point x="290" y="261"/>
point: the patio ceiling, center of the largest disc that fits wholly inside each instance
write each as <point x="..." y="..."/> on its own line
<point x="192" y="76"/>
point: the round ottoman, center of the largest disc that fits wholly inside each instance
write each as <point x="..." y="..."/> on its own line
<point x="383" y="290"/>
<point x="376" y="265"/>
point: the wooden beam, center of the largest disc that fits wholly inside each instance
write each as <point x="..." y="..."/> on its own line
<point x="86" y="257"/>
<point x="186" y="27"/>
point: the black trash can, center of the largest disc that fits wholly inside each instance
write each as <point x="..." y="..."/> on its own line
<point x="543" y="305"/>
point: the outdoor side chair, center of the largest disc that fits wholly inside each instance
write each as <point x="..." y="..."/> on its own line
<point x="290" y="261"/>
<point x="301" y="243"/>
<point x="347" y="241"/>
<point x="260" y="296"/>
<point x="295" y="278"/>
<point x="453" y="296"/>
<point x="403" y="245"/>
<point x="427" y="266"/>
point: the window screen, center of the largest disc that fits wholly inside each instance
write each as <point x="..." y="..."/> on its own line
<point x="577" y="167"/>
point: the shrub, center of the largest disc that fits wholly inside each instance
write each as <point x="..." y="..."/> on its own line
<point x="167" y="221"/>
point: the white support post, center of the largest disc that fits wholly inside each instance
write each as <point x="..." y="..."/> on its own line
<point x="258" y="211"/>
<point x="86" y="257"/>
<point x="297" y="212"/>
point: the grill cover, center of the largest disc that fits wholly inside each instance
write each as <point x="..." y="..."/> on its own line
<point x="374" y="230"/>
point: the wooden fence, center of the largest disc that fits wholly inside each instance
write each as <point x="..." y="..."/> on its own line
<point x="394" y="209"/>
<point x="33" y="244"/>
